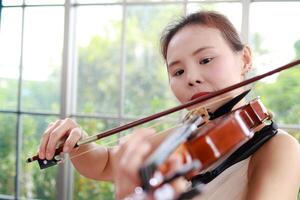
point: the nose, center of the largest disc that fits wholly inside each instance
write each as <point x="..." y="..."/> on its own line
<point x="193" y="78"/>
<point x="192" y="83"/>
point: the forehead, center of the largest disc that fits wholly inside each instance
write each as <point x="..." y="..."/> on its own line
<point x="193" y="37"/>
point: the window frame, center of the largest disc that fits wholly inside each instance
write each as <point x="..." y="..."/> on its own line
<point x="68" y="84"/>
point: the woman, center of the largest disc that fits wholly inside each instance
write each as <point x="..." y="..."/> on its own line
<point x="203" y="54"/>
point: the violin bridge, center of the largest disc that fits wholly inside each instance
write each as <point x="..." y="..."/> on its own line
<point x="198" y="112"/>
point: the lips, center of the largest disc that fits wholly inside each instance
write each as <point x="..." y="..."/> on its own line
<point x="195" y="96"/>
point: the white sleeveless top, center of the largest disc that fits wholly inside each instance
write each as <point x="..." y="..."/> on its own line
<point x="231" y="184"/>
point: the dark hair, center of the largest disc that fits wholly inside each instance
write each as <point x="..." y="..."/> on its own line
<point x="206" y="18"/>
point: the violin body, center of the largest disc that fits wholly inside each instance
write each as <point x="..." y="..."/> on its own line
<point x="226" y="133"/>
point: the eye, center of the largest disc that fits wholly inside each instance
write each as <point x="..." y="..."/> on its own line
<point x="179" y="72"/>
<point x="205" y="61"/>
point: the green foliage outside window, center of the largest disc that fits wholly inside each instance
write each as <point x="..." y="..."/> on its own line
<point x="7" y="153"/>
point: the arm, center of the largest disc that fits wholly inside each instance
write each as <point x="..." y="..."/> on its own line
<point x="92" y="164"/>
<point x="104" y="163"/>
<point x="97" y="163"/>
<point x="274" y="170"/>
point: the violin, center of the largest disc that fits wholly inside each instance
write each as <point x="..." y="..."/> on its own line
<point x="200" y="143"/>
<point x="207" y="141"/>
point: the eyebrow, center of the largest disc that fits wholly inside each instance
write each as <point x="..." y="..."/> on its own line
<point x="201" y="49"/>
<point x="194" y="53"/>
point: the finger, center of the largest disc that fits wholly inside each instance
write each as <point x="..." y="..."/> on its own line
<point x="137" y="149"/>
<point x="136" y="135"/>
<point x="45" y="138"/>
<point x="50" y="125"/>
<point x="123" y="140"/>
<point x="130" y="163"/>
<point x="126" y="176"/>
<point x="132" y="142"/>
<point x="143" y="132"/>
<point x="74" y="136"/>
<point x="57" y="134"/>
<point x="175" y="161"/>
<point x="127" y="145"/>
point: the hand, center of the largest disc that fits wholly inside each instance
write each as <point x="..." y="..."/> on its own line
<point x="67" y="130"/>
<point x="127" y="158"/>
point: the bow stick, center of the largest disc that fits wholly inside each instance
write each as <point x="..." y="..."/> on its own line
<point x="47" y="163"/>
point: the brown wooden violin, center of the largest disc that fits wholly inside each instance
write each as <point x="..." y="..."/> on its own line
<point x="207" y="141"/>
<point x="201" y="142"/>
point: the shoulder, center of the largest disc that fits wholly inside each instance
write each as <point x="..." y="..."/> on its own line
<point x="282" y="147"/>
<point x="282" y="150"/>
<point x="276" y="163"/>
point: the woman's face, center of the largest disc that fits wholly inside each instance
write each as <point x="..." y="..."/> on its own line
<point x="200" y="61"/>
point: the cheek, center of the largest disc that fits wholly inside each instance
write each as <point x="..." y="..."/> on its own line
<point x="216" y="76"/>
<point x="225" y="74"/>
<point x="178" y="92"/>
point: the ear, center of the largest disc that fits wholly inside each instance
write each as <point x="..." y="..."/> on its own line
<point x="247" y="59"/>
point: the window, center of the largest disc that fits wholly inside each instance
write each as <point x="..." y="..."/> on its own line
<point x="115" y="75"/>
